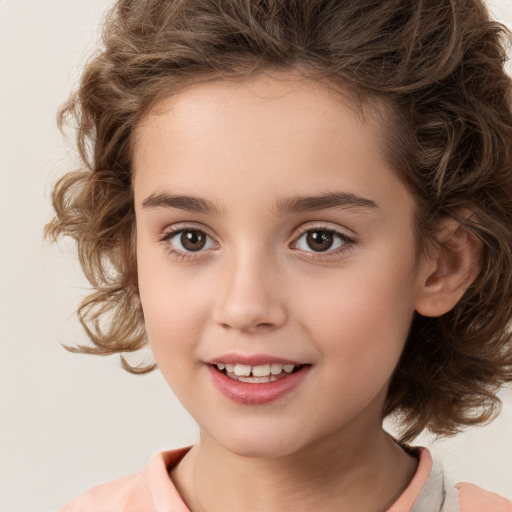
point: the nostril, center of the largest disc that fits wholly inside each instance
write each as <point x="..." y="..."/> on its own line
<point x="264" y="325"/>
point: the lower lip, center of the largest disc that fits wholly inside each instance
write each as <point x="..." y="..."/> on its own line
<point x="256" y="394"/>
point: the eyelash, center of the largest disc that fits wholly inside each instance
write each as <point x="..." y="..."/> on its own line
<point x="180" y="255"/>
<point x="347" y="243"/>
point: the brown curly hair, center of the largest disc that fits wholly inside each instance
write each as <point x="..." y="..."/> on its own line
<point x="439" y="64"/>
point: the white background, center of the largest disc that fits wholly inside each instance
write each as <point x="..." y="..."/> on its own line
<point x="68" y="422"/>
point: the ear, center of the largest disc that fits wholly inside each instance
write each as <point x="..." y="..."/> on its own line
<point x="449" y="270"/>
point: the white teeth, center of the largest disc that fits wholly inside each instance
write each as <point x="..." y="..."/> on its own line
<point x="261" y="371"/>
<point x="258" y="371"/>
<point x="242" y="370"/>
<point x="276" y="369"/>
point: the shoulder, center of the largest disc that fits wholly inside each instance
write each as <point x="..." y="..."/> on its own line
<point x="127" y="493"/>
<point x="429" y="490"/>
<point x="475" y="499"/>
<point x="149" y="490"/>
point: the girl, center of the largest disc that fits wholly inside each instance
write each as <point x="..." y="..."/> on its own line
<point x="306" y="208"/>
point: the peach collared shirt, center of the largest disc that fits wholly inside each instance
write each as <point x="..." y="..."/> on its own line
<point x="152" y="490"/>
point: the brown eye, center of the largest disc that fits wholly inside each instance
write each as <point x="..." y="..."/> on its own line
<point x="322" y="240"/>
<point x="193" y="240"/>
<point x="188" y="243"/>
<point x="319" y="240"/>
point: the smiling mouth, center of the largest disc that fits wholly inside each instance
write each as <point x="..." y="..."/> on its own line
<point x="259" y="374"/>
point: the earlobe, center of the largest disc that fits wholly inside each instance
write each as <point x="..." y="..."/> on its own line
<point x="450" y="269"/>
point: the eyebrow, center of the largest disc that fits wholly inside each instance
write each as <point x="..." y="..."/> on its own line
<point x="328" y="200"/>
<point x="188" y="203"/>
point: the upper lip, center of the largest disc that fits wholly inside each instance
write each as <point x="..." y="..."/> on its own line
<point x="251" y="359"/>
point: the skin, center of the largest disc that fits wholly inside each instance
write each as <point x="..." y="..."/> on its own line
<point x="257" y="287"/>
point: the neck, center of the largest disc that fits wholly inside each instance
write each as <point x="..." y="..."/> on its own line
<point x="331" y="475"/>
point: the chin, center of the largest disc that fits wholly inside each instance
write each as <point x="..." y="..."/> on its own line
<point x="260" y="449"/>
<point x="260" y="443"/>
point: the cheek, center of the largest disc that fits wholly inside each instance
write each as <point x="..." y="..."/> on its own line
<point x="362" y="316"/>
<point x="173" y="316"/>
<point x="175" y="305"/>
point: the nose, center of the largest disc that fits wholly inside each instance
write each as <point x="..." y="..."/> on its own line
<point x="250" y="295"/>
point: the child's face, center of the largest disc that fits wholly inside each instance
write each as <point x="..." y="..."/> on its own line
<point x="247" y="270"/>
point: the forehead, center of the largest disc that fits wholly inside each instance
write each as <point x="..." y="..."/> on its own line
<point x="284" y="90"/>
<point x="271" y="103"/>
<point x="268" y="133"/>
